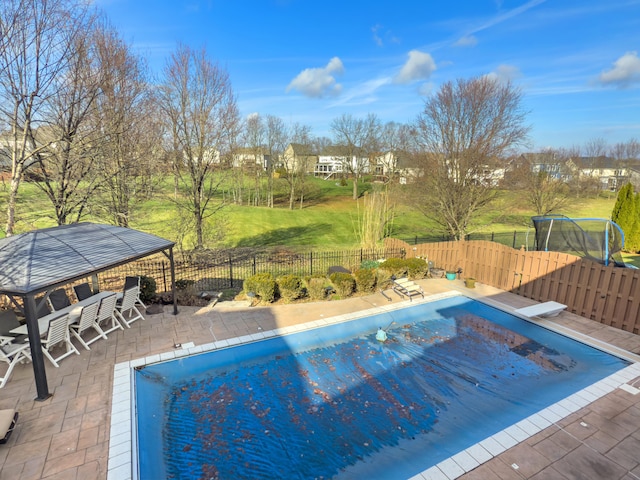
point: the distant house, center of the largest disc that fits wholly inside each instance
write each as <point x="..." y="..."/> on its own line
<point x="250" y="158"/>
<point x="611" y="173"/>
<point x="335" y="160"/>
<point x="396" y="165"/>
<point x="299" y="156"/>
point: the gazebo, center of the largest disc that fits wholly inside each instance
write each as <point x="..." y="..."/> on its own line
<point x="36" y="263"/>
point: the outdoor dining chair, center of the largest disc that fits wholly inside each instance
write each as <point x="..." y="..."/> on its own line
<point x="88" y="320"/>
<point x="12" y="353"/>
<point x="107" y="319"/>
<point x="58" y="300"/>
<point x="58" y="336"/>
<point x="82" y="291"/>
<point x="131" y="282"/>
<point x="126" y="308"/>
<point x="8" y="321"/>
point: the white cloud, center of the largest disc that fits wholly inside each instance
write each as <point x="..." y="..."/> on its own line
<point x="625" y="71"/>
<point x="319" y="82"/>
<point x="505" y="73"/>
<point x="376" y="37"/>
<point x="466" y="41"/>
<point x="419" y="66"/>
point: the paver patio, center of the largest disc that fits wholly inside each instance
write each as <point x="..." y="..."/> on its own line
<point x="67" y="436"/>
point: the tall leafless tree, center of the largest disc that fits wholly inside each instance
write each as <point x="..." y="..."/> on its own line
<point x="197" y="98"/>
<point x="465" y="127"/>
<point x="358" y="138"/>
<point x="65" y="168"/>
<point x="36" y="39"/>
<point x="127" y="127"/>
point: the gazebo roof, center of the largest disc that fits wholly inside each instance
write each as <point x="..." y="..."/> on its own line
<point x="36" y="261"/>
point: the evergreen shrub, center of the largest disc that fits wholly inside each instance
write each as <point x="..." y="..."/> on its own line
<point x="365" y="279"/>
<point x="290" y="287"/>
<point x="344" y="283"/>
<point x="263" y="285"/>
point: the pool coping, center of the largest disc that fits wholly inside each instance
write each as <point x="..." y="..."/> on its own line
<point x="121" y="451"/>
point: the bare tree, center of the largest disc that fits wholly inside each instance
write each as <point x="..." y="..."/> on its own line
<point x="127" y="127"/>
<point x="293" y="166"/>
<point x="36" y="39"/>
<point x="358" y="138"/>
<point x="64" y="170"/>
<point x="463" y="130"/>
<point x="198" y="99"/>
<point x="541" y="190"/>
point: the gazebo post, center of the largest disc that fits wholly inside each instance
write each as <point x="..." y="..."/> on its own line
<point x="173" y="282"/>
<point x="33" y="330"/>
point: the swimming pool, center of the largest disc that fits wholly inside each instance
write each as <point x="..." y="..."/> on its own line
<point x="396" y="409"/>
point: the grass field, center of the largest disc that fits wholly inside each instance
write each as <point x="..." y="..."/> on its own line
<point x="328" y="220"/>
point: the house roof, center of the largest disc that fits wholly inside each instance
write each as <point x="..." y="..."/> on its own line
<point x="302" y="149"/>
<point x="36" y="261"/>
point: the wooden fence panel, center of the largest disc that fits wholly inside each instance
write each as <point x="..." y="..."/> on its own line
<point x="608" y="295"/>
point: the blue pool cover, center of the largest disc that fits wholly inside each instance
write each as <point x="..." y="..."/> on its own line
<point x="336" y="403"/>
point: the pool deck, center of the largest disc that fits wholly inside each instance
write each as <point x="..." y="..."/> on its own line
<point x="67" y="436"/>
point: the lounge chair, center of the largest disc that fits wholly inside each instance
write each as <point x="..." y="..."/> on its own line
<point x="407" y="288"/>
<point x="58" y="335"/>
<point x="8" y="420"/>
<point x="88" y="320"/>
<point x="126" y="309"/>
<point x="12" y="353"/>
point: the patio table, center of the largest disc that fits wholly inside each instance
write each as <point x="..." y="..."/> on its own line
<point x="74" y="310"/>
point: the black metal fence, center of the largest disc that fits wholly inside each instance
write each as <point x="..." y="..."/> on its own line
<point x="218" y="272"/>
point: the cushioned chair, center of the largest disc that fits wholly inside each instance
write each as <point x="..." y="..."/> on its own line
<point x="58" y="336"/>
<point x="58" y="300"/>
<point x="8" y="420"/>
<point x="9" y="321"/>
<point x="82" y="291"/>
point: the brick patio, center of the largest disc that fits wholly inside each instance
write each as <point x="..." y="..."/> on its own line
<point x="67" y="436"/>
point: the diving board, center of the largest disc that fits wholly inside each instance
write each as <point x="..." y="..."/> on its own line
<point x="545" y="309"/>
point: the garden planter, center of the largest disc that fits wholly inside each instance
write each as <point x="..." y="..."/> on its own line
<point x="451" y="275"/>
<point x="470" y="282"/>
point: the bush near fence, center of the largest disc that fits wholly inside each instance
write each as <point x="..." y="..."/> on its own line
<point x="217" y="272"/>
<point x="606" y="294"/>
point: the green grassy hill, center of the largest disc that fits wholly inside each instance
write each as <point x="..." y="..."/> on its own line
<point x="327" y="221"/>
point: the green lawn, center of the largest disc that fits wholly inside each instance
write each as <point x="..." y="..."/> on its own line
<point x="327" y="221"/>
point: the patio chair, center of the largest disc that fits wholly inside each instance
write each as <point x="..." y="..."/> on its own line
<point x="8" y="420"/>
<point x="82" y="291"/>
<point x="58" y="335"/>
<point x="107" y="314"/>
<point x="130" y="282"/>
<point x="126" y="309"/>
<point x="58" y="300"/>
<point x="88" y="320"/>
<point x="407" y="288"/>
<point x="8" y="321"/>
<point x="13" y="353"/>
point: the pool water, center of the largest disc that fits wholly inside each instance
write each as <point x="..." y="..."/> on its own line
<point x="334" y="402"/>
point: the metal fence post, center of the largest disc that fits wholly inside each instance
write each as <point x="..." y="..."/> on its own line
<point x="230" y="271"/>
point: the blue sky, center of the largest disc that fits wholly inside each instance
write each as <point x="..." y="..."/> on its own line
<point x="577" y="62"/>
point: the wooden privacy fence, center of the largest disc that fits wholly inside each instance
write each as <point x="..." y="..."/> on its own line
<point x="607" y="294"/>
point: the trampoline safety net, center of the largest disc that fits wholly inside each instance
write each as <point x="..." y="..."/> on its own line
<point x="597" y="239"/>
